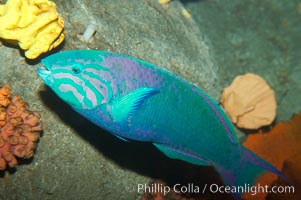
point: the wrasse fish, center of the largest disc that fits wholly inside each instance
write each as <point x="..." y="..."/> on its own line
<point x="135" y="100"/>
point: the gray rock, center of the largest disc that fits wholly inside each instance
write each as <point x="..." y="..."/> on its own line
<point x="262" y="37"/>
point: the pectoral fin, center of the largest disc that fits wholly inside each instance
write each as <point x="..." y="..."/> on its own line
<point x="124" y="106"/>
<point x="181" y="155"/>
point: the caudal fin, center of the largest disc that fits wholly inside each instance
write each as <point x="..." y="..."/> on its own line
<point x="246" y="170"/>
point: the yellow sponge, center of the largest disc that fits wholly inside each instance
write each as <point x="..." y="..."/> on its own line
<point x="33" y="24"/>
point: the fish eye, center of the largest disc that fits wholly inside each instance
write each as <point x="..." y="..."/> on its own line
<point x="76" y="69"/>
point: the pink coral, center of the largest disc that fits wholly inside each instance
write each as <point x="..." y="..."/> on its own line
<point x="19" y="129"/>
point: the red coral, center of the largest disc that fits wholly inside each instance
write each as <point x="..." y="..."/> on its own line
<point x="19" y="129"/>
<point x="281" y="146"/>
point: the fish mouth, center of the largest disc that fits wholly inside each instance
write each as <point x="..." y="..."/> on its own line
<point x="44" y="74"/>
<point x="43" y="71"/>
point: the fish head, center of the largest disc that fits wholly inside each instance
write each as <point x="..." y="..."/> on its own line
<point x="69" y="75"/>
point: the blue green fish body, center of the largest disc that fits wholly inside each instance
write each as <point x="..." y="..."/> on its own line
<point x="135" y="100"/>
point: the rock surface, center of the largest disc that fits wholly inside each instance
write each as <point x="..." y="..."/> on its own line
<point x="260" y="37"/>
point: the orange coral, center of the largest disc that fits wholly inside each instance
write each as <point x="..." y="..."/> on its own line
<point x="281" y="147"/>
<point x="249" y="102"/>
<point x="5" y="94"/>
<point x="19" y="129"/>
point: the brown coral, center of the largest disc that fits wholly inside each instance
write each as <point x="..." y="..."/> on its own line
<point x="19" y="129"/>
<point x="249" y="102"/>
<point x="281" y="147"/>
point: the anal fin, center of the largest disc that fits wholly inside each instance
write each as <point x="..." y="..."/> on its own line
<point x="181" y="155"/>
<point x="122" y="138"/>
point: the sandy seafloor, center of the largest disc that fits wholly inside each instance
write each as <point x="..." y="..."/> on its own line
<point x="223" y="38"/>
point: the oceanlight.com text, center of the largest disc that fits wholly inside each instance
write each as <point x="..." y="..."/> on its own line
<point x="252" y="189"/>
<point x="192" y="188"/>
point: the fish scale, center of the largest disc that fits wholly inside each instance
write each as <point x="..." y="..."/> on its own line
<point x="149" y="104"/>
